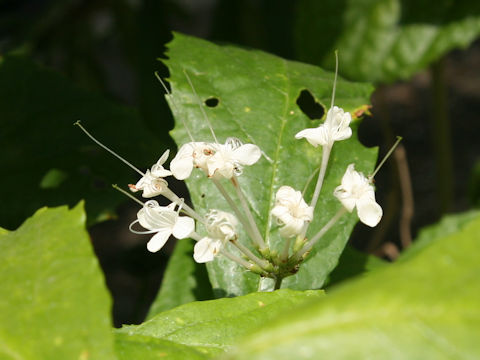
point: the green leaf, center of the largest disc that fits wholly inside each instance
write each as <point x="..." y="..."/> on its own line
<point x="352" y="263"/>
<point x="52" y="161"/>
<point x="212" y="327"/>
<point x="425" y="307"/>
<point x="184" y="281"/>
<point x="133" y="347"/>
<point x="257" y="102"/>
<point x="53" y="300"/>
<point x="449" y="224"/>
<point x="383" y="40"/>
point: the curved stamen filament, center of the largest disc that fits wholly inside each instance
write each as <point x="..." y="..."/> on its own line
<point x="106" y="148"/>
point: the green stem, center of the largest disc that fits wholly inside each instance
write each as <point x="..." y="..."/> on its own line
<point x="236" y="210"/>
<point x="253" y="225"/>
<point x="321" y="175"/>
<point x="308" y="246"/>
<point x="286" y="249"/>
<point x="236" y="259"/>
<point x="260" y="262"/>
<point x="170" y="195"/>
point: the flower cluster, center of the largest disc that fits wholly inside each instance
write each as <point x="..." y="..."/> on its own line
<point x="219" y="232"/>
<point x="226" y="161"/>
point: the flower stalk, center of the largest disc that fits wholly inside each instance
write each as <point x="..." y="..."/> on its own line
<point x="238" y="213"/>
<point x="253" y="225"/>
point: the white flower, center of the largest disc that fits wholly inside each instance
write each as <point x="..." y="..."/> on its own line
<point x="152" y="183"/>
<point x="231" y="157"/>
<point x="192" y="154"/>
<point x="164" y="221"/>
<point x="206" y="249"/>
<point x="221" y="227"/>
<point x="357" y="191"/>
<point x="336" y="127"/>
<point x="291" y="211"/>
<point x="216" y="160"/>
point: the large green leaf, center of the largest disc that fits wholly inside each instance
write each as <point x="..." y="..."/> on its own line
<point x="210" y="327"/>
<point x="184" y="281"/>
<point x="49" y="159"/>
<point x="53" y="300"/>
<point x="257" y="102"/>
<point x="353" y="263"/>
<point x="139" y="347"/>
<point x="449" y="224"/>
<point x="425" y="307"/>
<point x="383" y="40"/>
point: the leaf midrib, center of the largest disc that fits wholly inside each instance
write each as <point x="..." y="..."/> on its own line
<point x="276" y="157"/>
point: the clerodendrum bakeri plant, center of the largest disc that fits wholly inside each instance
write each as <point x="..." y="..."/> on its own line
<point x="271" y="209"/>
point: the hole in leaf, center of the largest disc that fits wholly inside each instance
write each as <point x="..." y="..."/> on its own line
<point x="211" y="102"/>
<point x="306" y="102"/>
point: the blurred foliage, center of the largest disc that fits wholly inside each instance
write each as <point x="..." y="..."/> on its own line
<point x="53" y="303"/>
<point x="184" y="281"/>
<point x="383" y="40"/>
<point x="209" y="328"/>
<point x="419" y="306"/>
<point x="424" y="307"/>
<point x="53" y="162"/>
<point x="353" y="263"/>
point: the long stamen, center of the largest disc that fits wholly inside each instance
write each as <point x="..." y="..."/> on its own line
<point x="392" y="149"/>
<point x="335" y="80"/>
<point x="201" y="106"/>
<point x="116" y="187"/>
<point x="106" y="148"/>
<point x="174" y="105"/>
<point x="309" y="180"/>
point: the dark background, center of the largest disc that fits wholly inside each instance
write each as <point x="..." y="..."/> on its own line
<point x="111" y="48"/>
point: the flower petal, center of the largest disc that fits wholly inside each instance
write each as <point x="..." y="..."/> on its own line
<point x="206" y="249"/>
<point x="183" y="227"/>
<point x="314" y="136"/>
<point x="369" y="211"/>
<point x="163" y="158"/>
<point x="342" y="134"/>
<point x="247" y="154"/>
<point x="153" y="217"/>
<point x="292" y="228"/>
<point x="345" y="197"/>
<point x="182" y="164"/>
<point x="159" y="172"/>
<point x="279" y="211"/>
<point x="158" y="240"/>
